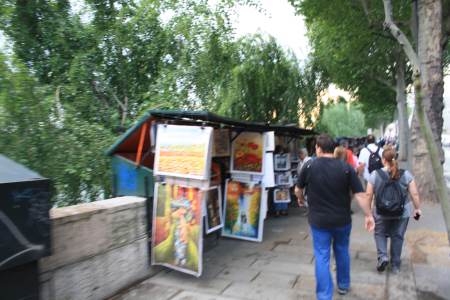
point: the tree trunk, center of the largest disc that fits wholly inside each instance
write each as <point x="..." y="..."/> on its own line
<point x="431" y="78"/>
<point x="426" y="132"/>
<point x="403" y="128"/>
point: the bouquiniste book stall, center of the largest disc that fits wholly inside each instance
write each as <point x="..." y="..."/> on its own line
<point x="202" y="174"/>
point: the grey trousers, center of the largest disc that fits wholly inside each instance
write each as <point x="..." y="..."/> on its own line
<point x="395" y="229"/>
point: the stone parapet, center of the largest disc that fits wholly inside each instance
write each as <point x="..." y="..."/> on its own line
<point x="98" y="248"/>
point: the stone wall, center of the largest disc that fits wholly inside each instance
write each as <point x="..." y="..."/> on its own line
<point x="98" y="249"/>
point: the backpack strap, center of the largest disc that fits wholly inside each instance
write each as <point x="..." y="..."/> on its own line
<point x="378" y="149"/>
<point x="382" y="174"/>
<point x="367" y="147"/>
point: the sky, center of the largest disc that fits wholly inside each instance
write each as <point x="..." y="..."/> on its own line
<point x="278" y="19"/>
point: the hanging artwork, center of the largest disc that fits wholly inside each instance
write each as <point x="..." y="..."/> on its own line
<point x="213" y="208"/>
<point x="221" y="144"/>
<point x="248" y="153"/>
<point x="243" y="219"/>
<point x="282" y="162"/>
<point x="281" y="195"/>
<point x="183" y="151"/>
<point x="283" y="178"/>
<point x="216" y="174"/>
<point x="177" y="228"/>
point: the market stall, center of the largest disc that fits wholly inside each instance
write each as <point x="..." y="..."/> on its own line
<point x="202" y="173"/>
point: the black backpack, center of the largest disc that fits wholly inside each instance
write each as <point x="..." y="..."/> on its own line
<point x="390" y="198"/>
<point x="375" y="162"/>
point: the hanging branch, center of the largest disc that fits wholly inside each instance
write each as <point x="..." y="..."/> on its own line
<point x="400" y="37"/>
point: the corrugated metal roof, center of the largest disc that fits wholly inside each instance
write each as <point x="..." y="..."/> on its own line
<point x="209" y="119"/>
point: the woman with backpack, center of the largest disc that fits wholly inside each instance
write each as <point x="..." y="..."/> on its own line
<point x="392" y="208"/>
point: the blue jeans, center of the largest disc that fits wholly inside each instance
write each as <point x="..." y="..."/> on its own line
<point x="322" y="240"/>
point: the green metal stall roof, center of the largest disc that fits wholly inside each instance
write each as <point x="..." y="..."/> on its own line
<point x="207" y="118"/>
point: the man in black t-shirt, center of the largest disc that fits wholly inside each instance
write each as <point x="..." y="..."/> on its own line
<point x="328" y="182"/>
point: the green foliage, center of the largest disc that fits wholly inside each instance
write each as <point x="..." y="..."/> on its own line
<point x="36" y="131"/>
<point x="264" y="84"/>
<point x="352" y="48"/>
<point x="343" y="119"/>
<point x="74" y="83"/>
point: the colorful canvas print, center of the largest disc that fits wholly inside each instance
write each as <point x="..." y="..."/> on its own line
<point x="213" y="208"/>
<point x="282" y="162"/>
<point x="243" y="218"/>
<point x="281" y="195"/>
<point x="248" y="153"/>
<point x="183" y="151"/>
<point x="177" y="228"/>
<point x="221" y="143"/>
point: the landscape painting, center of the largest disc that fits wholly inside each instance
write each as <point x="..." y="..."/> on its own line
<point x="183" y="151"/>
<point x="177" y="228"/>
<point x="281" y="195"/>
<point x="248" y="153"/>
<point x="243" y="218"/>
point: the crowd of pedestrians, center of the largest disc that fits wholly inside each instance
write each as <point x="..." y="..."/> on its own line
<point x="387" y="195"/>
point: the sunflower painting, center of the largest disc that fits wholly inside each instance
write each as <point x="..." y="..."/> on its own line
<point x="177" y="228"/>
<point x="248" y="153"/>
<point x="243" y="211"/>
<point x="183" y="151"/>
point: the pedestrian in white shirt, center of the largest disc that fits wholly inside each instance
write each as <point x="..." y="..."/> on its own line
<point x="303" y="156"/>
<point x="365" y="153"/>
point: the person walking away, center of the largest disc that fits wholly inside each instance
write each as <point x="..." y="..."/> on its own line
<point x="392" y="208"/>
<point x="340" y="153"/>
<point x="370" y="157"/>
<point x="328" y="183"/>
<point x="350" y="158"/>
<point x="304" y="158"/>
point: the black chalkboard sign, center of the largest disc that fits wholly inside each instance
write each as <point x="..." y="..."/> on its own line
<point x="24" y="216"/>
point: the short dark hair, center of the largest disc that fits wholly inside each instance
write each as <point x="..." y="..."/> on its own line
<point x="370" y="139"/>
<point x="326" y="143"/>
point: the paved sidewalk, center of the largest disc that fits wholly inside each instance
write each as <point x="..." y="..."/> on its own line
<point x="282" y="266"/>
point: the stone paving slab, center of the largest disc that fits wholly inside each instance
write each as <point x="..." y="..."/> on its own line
<point x="238" y="274"/>
<point x="188" y="282"/>
<point x="283" y="267"/>
<point x="432" y="282"/>
<point x="257" y="292"/>
<point x="274" y="279"/>
<point x="146" y="291"/>
<point x="364" y="292"/>
<point x="187" y="295"/>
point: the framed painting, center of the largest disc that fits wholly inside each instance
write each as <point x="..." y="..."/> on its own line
<point x="242" y="211"/>
<point x="177" y="228"/>
<point x="281" y="195"/>
<point x="283" y="178"/>
<point x="213" y="209"/>
<point x="282" y="162"/>
<point x="183" y="151"/>
<point x="247" y="153"/>
<point x="221" y="143"/>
